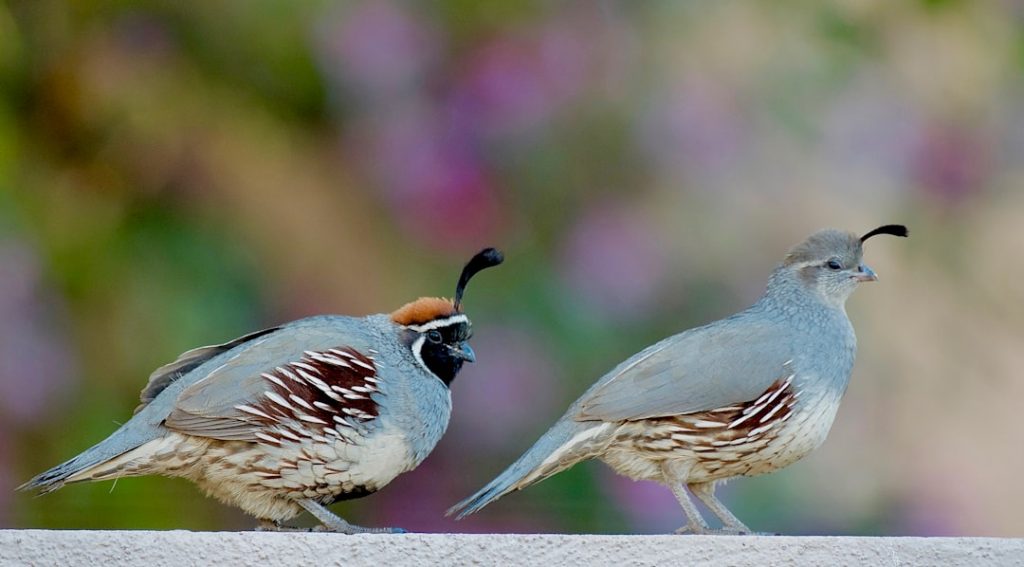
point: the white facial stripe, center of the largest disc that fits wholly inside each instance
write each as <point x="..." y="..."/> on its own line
<point x="438" y="323"/>
<point x="802" y="265"/>
<point x="417" y="346"/>
<point x="814" y="263"/>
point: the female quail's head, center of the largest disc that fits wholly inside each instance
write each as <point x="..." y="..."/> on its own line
<point x="830" y="264"/>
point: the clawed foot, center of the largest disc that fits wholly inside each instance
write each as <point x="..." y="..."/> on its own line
<point x="272" y="526"/>
<point x="344" y="528"/>
<point x="353" y="530"/>
<point x="704" y="530"/>
<point x="728" y="531"/>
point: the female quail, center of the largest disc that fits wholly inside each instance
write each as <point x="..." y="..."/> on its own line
<point x="317" y="410"/>
<point x="745" y="395"/>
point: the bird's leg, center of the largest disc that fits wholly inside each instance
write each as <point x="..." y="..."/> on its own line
<point x="705" y="492"/>
<point x="694" y="522"/>
<point x="675" y="478"/>
<point x="332" y="523"/>
<point x="272" y="526"/>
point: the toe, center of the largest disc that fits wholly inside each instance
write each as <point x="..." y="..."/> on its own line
<point x="383" y="531"/>
<point x="731" y="531"/>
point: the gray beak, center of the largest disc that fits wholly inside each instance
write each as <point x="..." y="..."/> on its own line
<point x="866" y="274"/>
<point x="465" y="352"/>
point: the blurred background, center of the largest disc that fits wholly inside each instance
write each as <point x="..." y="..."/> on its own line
<point x="173" y="176"/>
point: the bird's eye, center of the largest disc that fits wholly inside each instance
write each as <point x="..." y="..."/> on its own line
<point x="834" y="265"/>
<point x="434" y="336"/>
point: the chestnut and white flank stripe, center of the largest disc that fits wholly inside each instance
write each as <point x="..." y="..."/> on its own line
<point x="325" y="393"/>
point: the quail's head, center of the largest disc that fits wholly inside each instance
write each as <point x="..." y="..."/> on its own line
<point x="830" y="263"/>
<point x="436" y="330"/>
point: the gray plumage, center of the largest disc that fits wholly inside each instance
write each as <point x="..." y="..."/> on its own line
<point x="744" y="395"/>
<point x="297" y="416"/>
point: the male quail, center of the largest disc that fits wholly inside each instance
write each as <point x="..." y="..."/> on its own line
<point x="298" y="416"/>
<point x="745" y="395"/>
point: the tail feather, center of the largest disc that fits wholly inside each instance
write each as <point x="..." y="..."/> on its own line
<point x="127" y="437"/>
<point x="565" y="444"/>
<point x="58" y="476"/>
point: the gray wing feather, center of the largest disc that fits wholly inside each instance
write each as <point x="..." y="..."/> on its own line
<point x="187" y="362"/>
<point x="701" y="369"/>
<point x="208" y="407"/>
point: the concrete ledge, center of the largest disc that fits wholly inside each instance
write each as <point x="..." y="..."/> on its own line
<point x="151" y="548"/>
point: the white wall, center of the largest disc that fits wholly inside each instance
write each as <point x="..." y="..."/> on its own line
<point x="153" y="549"/>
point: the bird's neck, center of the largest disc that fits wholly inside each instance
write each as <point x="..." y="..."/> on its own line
<point x="821" y="326"/>
<point x="790" y="297"/>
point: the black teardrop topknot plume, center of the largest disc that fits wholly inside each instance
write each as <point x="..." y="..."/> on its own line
<point x="486" y="258"/>
<point x="893" y="229"/>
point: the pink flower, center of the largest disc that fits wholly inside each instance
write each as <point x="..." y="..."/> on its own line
<point x="432" y="178"/>
<point x="950" y="163"/>
<point x="649" y="507"/>
<point x="376" y="47"/>
<point x="515" y="386"/>
<point x="695" y="125"/>
<point x="36" y="365"/>
<point x="613" y="261"/>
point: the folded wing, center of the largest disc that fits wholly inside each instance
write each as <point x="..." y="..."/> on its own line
<point x="306" y="383"/>
<point x="699" y="370"/>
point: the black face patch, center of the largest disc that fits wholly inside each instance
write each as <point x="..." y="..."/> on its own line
<point x="441" y="348"/>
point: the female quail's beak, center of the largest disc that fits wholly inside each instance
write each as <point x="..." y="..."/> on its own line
<point x="865" y="274"/>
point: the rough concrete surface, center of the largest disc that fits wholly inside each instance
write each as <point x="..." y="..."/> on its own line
<point x="150" y="548"/>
